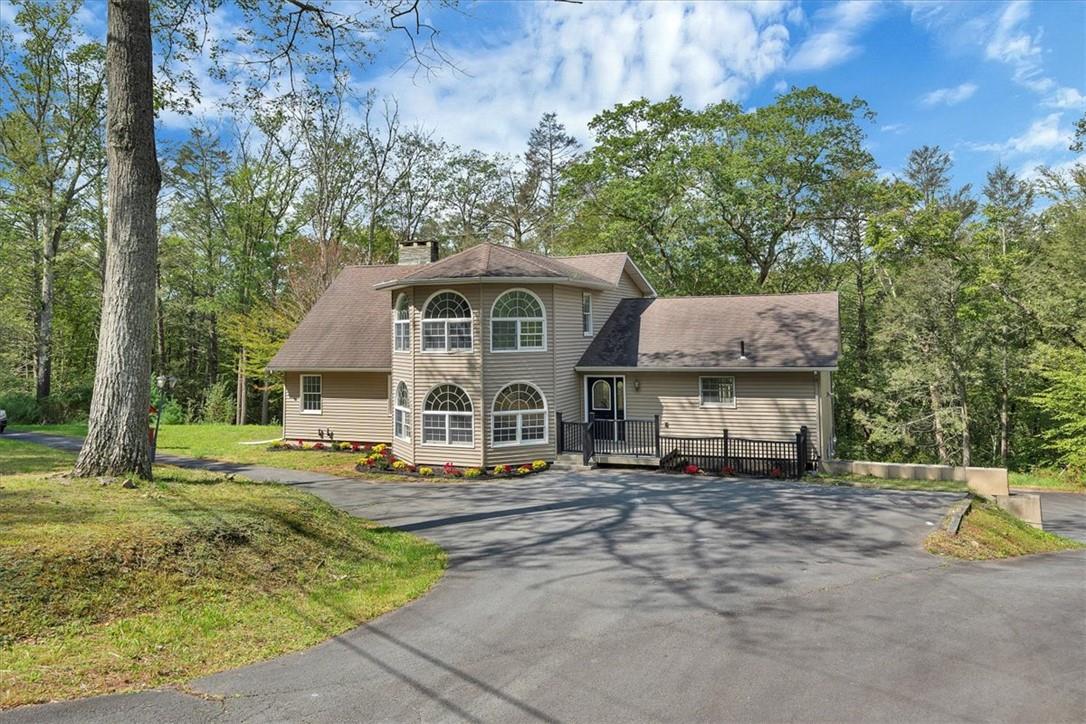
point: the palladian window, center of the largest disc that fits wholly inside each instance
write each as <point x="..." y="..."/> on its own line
<point x="401" y="325"/>
<point x="446" y="323"/>
<point x="517" y="323"/>
<point x="520" y="415"/>
<point x="402" y="426"/>
<point x="447" y="417"/>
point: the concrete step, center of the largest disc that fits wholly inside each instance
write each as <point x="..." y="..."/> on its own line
<point x="571" y="461"/>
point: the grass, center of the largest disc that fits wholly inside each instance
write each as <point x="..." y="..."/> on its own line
<point x="987" y="532"/>
<point x="867" y="481"/>
<point x="107" y="589"/>
<point x="1048" y="480"/>
<point x="223" y="442"/>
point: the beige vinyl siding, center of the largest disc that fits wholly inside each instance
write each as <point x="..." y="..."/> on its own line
<point x="768" y="405"/>
<point x="430" y="369"/>
<point x="354" y="406"/>
<point x="571" y="342"/>
<point x="403" y="368"/>
<point x="536" y="368"/>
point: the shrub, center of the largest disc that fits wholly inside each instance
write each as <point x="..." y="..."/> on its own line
<point x="21" y="408"/>
<point x="426" y="471"/>
<point x="280" y="445"/>
<point x="523" y="470"/>
<point x="318" y="446"/>
<point x="539" y="465"/>
<point x="451" y="470"/>
<point x="218" y="403"/>
<point x="502" y="470"/>
<point x="172" y="413"/>
<point x="400" y="465"/>
<point x="344" y="446"/>
<point x="692" y="469"/>
<point x="473" y="472"/>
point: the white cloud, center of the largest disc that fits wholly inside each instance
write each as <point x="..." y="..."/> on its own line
<point x="896" y="128"/>
<point x="949" y="96"/>
<point x="1044" y="134"/>
<point x="579" y="59"/>
<point x="834" y="39"/>
<point x="1066" y="98"/>
<point x="1031" y="170"/>
<point x="1014" y="46"/>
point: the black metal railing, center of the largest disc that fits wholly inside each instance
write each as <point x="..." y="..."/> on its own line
<point x="729" y="455"/>
<point x="637" y="437"/>
<point x="722" y="454"/>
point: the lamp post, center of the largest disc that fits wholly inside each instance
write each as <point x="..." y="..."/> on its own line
<point x="164" y="383"/>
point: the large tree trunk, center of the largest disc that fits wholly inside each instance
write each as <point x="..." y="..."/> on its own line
<point x="117" y="429"/>
<point x="937" y="426"/>
<point x="43" y="357"/>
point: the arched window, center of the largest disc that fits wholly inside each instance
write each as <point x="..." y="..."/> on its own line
<point x="446" y="323"/>
<point x="402" y="410"/>
<point x="447" y="417"/>
<point x="520" y="415"/>
<point x="517" y="323"/>
<point x="401" y="325"/>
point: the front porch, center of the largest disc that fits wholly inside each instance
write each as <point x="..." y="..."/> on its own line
<point x="639" y="442"/>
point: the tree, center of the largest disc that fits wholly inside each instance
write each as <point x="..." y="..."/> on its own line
<point x="49" y="135"/>
<point x="116" y="431"/>
<point x="550" y="152"/>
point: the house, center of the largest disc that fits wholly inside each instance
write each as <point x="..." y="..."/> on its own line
<point x="477" y="358"/>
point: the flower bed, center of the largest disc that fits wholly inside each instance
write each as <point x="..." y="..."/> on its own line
<point x="322" y="446"/>
<point x="380" y="458"/>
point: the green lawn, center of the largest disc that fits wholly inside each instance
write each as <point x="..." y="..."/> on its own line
<point x="1041" y="479"/>
<point x="104" y="588"/>
<point x="224" y="442"/>
<point x="988" y="532"/>
<point x="865" y="481"/>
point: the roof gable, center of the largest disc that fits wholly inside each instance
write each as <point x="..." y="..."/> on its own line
<point x="777" y="331"/>
<point x="342" y="331"/>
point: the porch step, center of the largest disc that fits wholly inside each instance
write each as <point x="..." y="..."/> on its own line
<point x="571" y="461"/>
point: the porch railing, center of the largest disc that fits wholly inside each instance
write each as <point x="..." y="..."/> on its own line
<point x="720" y="454"/>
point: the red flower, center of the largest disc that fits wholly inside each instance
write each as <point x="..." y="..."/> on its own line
<point x="355" y="447"/>
<point x="451" y="470"/>
<point x="776" y="472"/>
<point x="727" y="470"/>
<point x="318" y="446"/>
<point x="692" y="469"/>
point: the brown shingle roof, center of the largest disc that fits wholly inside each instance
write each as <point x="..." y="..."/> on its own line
<point x="489" y="260"/>
<point x="779" y="330"/>
<point x="609" y="267"/>
<point x="350" y="326"/>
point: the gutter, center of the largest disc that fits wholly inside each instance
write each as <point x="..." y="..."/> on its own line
<point x="445" y="281"/>
<point x="634" y="368"/>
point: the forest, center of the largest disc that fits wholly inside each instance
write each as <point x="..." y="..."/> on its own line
<point x="963" y="309"/>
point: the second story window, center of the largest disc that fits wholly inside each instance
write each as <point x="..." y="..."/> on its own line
<point x="586" y="314"/>
<point x="517" y="323"/>
<point x="446" y="323"/>
<point x="401" y="325"/>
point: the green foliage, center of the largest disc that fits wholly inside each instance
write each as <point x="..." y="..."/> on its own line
<point x="1063" y="399"/>
<point x="218" y="404"/>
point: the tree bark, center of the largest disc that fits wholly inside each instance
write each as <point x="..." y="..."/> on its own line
<point x="117" y="428"/>
<point x="937" y="427"/>
<point x="43" y="358"/>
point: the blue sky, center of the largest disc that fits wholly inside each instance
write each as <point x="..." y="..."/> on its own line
<point x="987" y="81"/>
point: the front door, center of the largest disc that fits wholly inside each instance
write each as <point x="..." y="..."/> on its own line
<point x="606" y="403"/>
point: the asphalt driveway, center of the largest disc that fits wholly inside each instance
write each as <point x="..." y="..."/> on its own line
<point x="629" y="596"/>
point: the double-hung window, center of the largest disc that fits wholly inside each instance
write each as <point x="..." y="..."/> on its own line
<point x="517" y="323"/>
<point x="447" y="417"/>
<point x="446" y="323"/>
<point x="311" y="394"/>
<point x="402" y="413"/>
<point x="586" y="314"/>
<point x="401" y="325"/>
<point x="717" y="391"/>
<point x="520" y="415"/>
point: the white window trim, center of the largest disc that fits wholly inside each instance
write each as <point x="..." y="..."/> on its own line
<point x="719" y="405"/>
<point x="301" y="395"/>
<point x="445" y="349"/>
<point x="405" y="410"/>
<point x="520" y="421"/>
<point x="591" y="319"/>
<point x="397" y="322"/>
<point x="446" y="415"/>
<point x="518" y="320"/>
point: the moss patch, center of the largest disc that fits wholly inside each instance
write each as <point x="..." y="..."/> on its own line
<point x="987" y="532"/>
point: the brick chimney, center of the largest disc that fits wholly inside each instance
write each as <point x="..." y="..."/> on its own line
<point x="418" y="252"/>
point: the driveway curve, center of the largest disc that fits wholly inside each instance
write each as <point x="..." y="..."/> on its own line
<point x="634" y="596"/>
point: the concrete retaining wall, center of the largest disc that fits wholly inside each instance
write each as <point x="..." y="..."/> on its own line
<point x="989" y="482"/>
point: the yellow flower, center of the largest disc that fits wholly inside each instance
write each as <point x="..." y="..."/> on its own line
<point x="539" y="465"/>
<point x="426" y="471"/>
<point x="523" y="470"/>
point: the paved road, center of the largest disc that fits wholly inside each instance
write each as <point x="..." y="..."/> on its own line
<point x="629" y="596"/>
<point x="1065" y="514"/>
